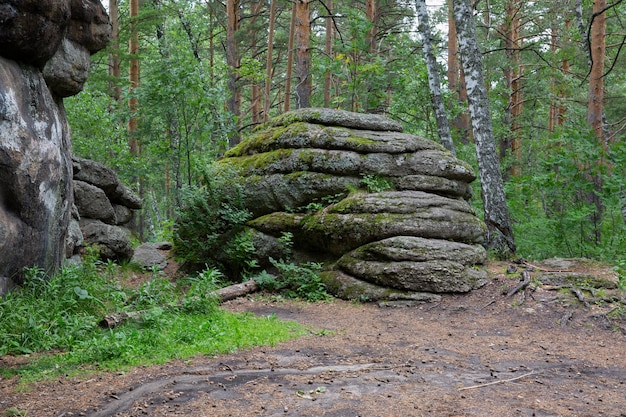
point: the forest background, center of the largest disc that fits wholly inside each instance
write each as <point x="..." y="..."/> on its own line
<point x="184" y="80"/>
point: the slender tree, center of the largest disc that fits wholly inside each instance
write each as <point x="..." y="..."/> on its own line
<point x="441" y="116"/>
<point x="456" y="80"/>
<point x="328" y="50"/>
<point x="496" y="212"/>
<point x="133" y="50"/>
<point x="232" y="60"/>
<point x="115" y="71"/>
<point x="290" y="54"/>
<point x="268" y="63"/>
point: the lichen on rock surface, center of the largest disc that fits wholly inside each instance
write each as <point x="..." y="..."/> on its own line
<point x="309" y="172"/>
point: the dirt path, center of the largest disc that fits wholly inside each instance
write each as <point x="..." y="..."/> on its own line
<point x="482" y="354"/>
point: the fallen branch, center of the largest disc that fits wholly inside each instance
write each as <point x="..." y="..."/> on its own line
<point x="115" y="319"/>
<point x="502" y="381"/>
<point x="237" y="290"/>
<point x="223" y="294"/>
<point x="522" y="285"/>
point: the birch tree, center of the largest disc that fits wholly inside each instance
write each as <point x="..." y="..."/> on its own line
<point x="443" y="127"/>
<point x="496" y="212"/>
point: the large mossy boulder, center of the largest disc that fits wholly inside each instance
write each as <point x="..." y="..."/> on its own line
<point x="386" y="211"/>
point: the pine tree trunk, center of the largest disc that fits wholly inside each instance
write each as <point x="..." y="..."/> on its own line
<point x="595" y="107"/>
<point x="303" y="53"/>
<point x="456" y="80"/>
<point x="497" y="218"/>
<point x="232" y="61"/>
<point x="290" y="54"/>
<point x="114" y="57"/>
<point x="133" y="77"/>
<point x="443" y="127"/>
<point x="513" y="75"/>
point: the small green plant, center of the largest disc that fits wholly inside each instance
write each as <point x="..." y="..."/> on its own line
<point x="14" y="412"/>
<point x="294" y="281"/>
<point x="300" y="281"/>
<point x="376" y="183"/>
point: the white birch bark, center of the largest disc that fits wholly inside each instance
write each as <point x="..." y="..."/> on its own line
<point x="443" y="127"/>
<point x="497" y="218"/>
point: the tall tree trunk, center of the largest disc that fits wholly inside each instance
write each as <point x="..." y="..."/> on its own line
<point x="595" y="47"/>
<point x="595" y="106"/>
<point x="290" y="54"/>
<point x="456" y="80"/>
<point x="114" y="57"/>
<point x="232" y="61"/>
<point x="497" y="218"/>
<point x="256" y="101"/>
<point x="513" y="75"/>
<point x="373" y="16"/>
<point x="303" y="53"/>
<point x="557" y="109"/>
<point x="443" y="128"/>
<point x="133" y="77"/>
<point x="328" y="49"/>
<point x="133" y="104"/>
<point x="268" y="63"/>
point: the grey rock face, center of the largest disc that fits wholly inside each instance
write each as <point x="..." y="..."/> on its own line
<point x="35" y="148"/>
<point x="35" y="172"/>
<point x="67" y="71"/>
<point x="387" y="211"/>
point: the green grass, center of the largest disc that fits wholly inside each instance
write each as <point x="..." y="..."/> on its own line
<point x="55" y="322"/>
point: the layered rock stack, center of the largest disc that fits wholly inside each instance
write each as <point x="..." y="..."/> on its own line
<point x="44" y="56"/>
<point x="104" y="205"/>
<point x="386" y="212"/>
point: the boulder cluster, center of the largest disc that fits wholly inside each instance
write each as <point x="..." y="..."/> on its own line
<point x="386" y="212"/>
<point x="104" y="206"/>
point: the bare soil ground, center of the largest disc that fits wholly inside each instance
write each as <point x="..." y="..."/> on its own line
<point x="539" y="352"/>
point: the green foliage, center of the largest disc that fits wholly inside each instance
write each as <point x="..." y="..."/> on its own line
<point x="550" y="205"/>
<point x="376" y="183"/>
<point x="52" y="315"/>
<point x="300" y="281"/>
<point x="14" y="412"/>
<point x="294" y="280"/>
<point x="210" y="226"/>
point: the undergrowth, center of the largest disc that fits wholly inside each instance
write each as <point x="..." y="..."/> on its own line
<point x="55" y="322"/>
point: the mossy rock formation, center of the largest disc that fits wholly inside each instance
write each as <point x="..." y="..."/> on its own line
<point x="386" y="211"/>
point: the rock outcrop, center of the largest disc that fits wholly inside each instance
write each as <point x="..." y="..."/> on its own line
<point x="104" y="206"/>
<point x="387" y="212"/>
<point x="44" y="55"/>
